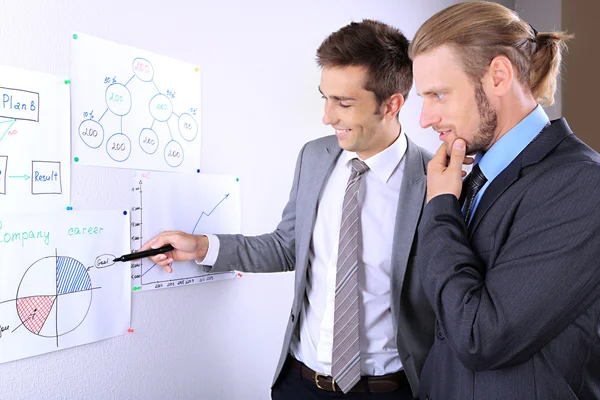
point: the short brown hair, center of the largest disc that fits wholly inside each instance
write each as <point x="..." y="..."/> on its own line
<point x="479" y="31"/>
<point x="382" y="49"/>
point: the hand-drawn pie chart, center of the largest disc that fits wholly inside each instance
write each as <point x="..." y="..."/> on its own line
<point x="54" y="296"/>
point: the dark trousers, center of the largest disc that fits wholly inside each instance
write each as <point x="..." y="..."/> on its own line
<point x="292" y="386"/>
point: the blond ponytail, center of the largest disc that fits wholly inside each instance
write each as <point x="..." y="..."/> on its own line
<point x="545" y="65"/>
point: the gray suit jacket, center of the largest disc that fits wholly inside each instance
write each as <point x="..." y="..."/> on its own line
<point x="517" y="294"/>
<point x="287" y="249"/>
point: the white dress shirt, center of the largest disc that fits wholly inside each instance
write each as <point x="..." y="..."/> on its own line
<point x="378" y="196"/>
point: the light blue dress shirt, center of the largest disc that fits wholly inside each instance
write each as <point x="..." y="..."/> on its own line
<point x="507" y="148"/>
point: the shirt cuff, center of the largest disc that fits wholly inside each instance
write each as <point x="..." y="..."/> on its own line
<point x="212" y="253"/>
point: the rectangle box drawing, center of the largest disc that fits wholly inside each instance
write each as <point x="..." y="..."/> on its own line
<point x="3" y="165"/>
<point x="46" y="177"/>
<point x="19" y="104"/>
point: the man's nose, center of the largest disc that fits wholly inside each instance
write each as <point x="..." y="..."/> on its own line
<point x="329" y="116"/>
<point x="429" y="116"/>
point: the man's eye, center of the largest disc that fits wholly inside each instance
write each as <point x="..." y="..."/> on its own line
<point x="344" y="105"/>
<point x="440" y="96"/>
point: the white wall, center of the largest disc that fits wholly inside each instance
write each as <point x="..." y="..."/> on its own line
<point x="260" y="104"/>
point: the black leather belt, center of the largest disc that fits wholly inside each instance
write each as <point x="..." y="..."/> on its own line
<point x="373" y="384"/>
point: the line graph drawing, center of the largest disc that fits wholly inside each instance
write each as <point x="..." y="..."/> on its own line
<point x="209" y="213"/>
<point x="193" y="203"/>
<point x="202" y="214"/>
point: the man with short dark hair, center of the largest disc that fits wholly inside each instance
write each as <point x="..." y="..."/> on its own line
<point x="359" y="323"/>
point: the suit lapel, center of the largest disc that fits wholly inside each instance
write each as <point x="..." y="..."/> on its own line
<point x="493" y="192"/>
<point x="410" y="205"/>
<point x="537" y="150"/>
<point x="319" y="174"/>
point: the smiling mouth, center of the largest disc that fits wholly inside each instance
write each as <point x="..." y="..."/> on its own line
<point x="342" y="133"/>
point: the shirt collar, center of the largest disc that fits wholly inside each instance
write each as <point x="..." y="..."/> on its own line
<point x="509" y="146"/>
<point x="384" y="163"/>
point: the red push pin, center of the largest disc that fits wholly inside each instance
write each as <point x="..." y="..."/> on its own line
<point x="130" y="330"/>
<point x="240" y="275"/>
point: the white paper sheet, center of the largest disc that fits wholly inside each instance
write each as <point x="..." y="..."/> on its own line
<point x="132" y="108"/>
<point x="192" y="203"/>
<point x="34" y="141"/>
<point x="58" y="285"/>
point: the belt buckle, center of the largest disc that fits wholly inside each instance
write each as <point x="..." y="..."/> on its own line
<point x="317" y="375"/>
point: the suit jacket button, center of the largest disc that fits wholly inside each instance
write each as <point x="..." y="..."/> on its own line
<point x="441" y="335"/>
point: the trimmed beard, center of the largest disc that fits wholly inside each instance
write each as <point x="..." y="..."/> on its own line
<point x="488" y="123"/>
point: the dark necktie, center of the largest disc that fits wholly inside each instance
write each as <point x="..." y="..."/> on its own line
<point x="345" y="363"/>
<point x="473" y="184"/>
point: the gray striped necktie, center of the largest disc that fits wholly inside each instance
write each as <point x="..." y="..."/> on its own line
<point x="345" y="366"/>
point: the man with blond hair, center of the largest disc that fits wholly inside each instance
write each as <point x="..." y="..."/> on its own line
<point x="509" y="257"/>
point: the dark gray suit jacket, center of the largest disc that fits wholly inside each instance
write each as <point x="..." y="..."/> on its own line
<point x="287" y="249"/>
<point x="517" y="295"/>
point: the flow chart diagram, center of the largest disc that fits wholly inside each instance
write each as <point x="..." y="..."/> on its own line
<point x="133" y="109"/>
<point x="34" y="144"/>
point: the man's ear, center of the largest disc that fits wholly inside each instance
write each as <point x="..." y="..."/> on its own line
<point x="392" y="106"/>
<point x="500" y="76"/>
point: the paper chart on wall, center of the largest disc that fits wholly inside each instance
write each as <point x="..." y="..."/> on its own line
<point x="192" y="203"/>
<point x="34" y="141"/>
<point x="132" y="108"/>
<point x="59" y="287"/>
